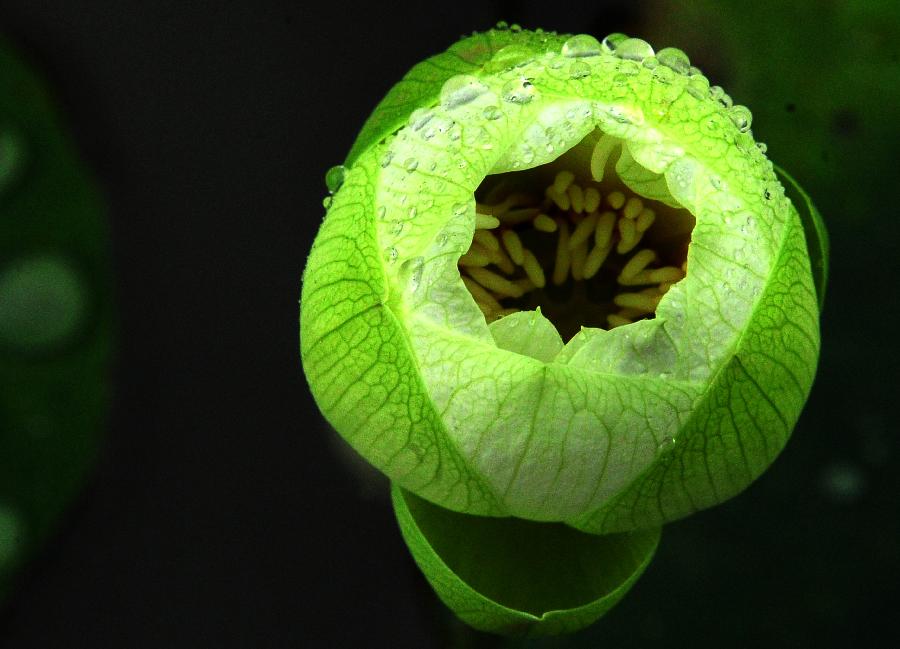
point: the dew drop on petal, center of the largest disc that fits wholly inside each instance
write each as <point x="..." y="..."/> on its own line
<point x="634" y="49"/>
<point x="491" y="113"/>
<point x="579" y="70"/>
<point x="326" y="202"/>
<point x="390" y="254"/>
<point x="334" y="178"/>
<point x="741" y="117"/>
<point x="580" y="46"/>
<point x="762" y="147"/>
<point x="674" y="59"/>
<point x="461" y="90"/>
<point x="410" y="164"/>
<point x="611" y="42"/>
<point x="518" y="91"/>
<point x="386" y="159"/>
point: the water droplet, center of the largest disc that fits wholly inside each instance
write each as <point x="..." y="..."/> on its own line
<point x="501" y="25"/>
<point x="698" y="86"/>
<point x="410" y="164"/>
<point x="634" y="49"/>
<point x="674" y="59"/>
<point x="663" y="74"/>
<point x="442" y="240"/>
<point x="386" y="158"/>
<point x="491" y="113"/>
<point x="518" y="91"/>
<point x="762" y="147"/>
<point x="580" y="46"/>
<point x="718" y="94"/>
<point x="334" y="178"/>
<point x="397" y="228"/>
<point x="45" y="302"/>
<point x="390" y="254"/>
<point x="411" y="270"/>
<point x="515" y="27"/>
<point x="420" y="117"/>
<point x="650" y="62"/>
<point x="611" y="42"/>
<point x="741" y="117"/>
<point x="13" y="157"/>
<point x="509" y="57"/>
<point x="579" y="70"/>
<point x="460" y="90"/>
<point x="527" y="155"/>
<point x="459" y="209"/>
<point x="326" y="202"/>
<point x="382" y="210"/>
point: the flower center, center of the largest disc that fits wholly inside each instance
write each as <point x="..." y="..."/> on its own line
<point x="588" y="252"/>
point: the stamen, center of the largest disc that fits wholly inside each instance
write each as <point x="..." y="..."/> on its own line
<point x="591" y="199"/>
<point x="602" y="150"/>
<point x="486" y="239"/>
<point x="563" y="260"/>
<point x="521" y="215"/>
<point x="576" y="198"/>
<point x="632" y="208"/>
<point x="645" y="219"/>
<point x="513" y="246"/>
<point x="666" y="274"/>
<point x="583" y="230"/>
<point x="562" y="181"/>
<point x="485" y="222"/>
<point x="561" y="199"/>
<point x="579" y="256"/>
<point x="483" y="298"/>
<point x="629" y="236"/>
<point x="595" y="260"/>
<point x="474" y="258"/>
<point x="646" y="303"/>
<point x="616" y="200"/>
<point x="544" y="223"/>
<point x="605" y="225"/>
<point x="636" y="264"/>
<point x="533" y="270"/>
<point x="500" y="259"/>
<point x="495" y="282"/>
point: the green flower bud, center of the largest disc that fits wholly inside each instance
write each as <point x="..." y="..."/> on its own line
<point x="559" y="298"/>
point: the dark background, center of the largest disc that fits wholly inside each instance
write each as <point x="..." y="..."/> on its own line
<point x="223" y="513"/>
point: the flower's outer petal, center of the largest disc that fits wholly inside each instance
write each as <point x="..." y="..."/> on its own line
<point x="817" y="243"/>
<point x="516" y="577"/>
<point x="745" y="416"/>
<point x="358" y="363"/>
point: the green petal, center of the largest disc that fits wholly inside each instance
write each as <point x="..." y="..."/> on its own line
<point x="517" y="577"/>
<point x="817" y="243"/>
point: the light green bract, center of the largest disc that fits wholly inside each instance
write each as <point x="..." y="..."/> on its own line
<point x="578" y="450"/>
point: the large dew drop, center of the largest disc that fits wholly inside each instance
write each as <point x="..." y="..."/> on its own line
<point x="334" y="178"/>
<point x="634" y="49"/>
<point x="461" y="90"/>
<point x="611" y="42"/>
<point x="518" y="91"/>
<point x="741" y="117"/>
<point x="674" y="59"/>
<point x="580" y="46"/>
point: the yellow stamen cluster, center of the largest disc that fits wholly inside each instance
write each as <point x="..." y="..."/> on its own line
<point x="588" y="226"/>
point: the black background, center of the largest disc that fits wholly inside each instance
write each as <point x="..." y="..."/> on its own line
<point x="220" y="514"/>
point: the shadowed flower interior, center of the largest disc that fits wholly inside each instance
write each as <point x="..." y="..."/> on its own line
<point x="573" y="240"/>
